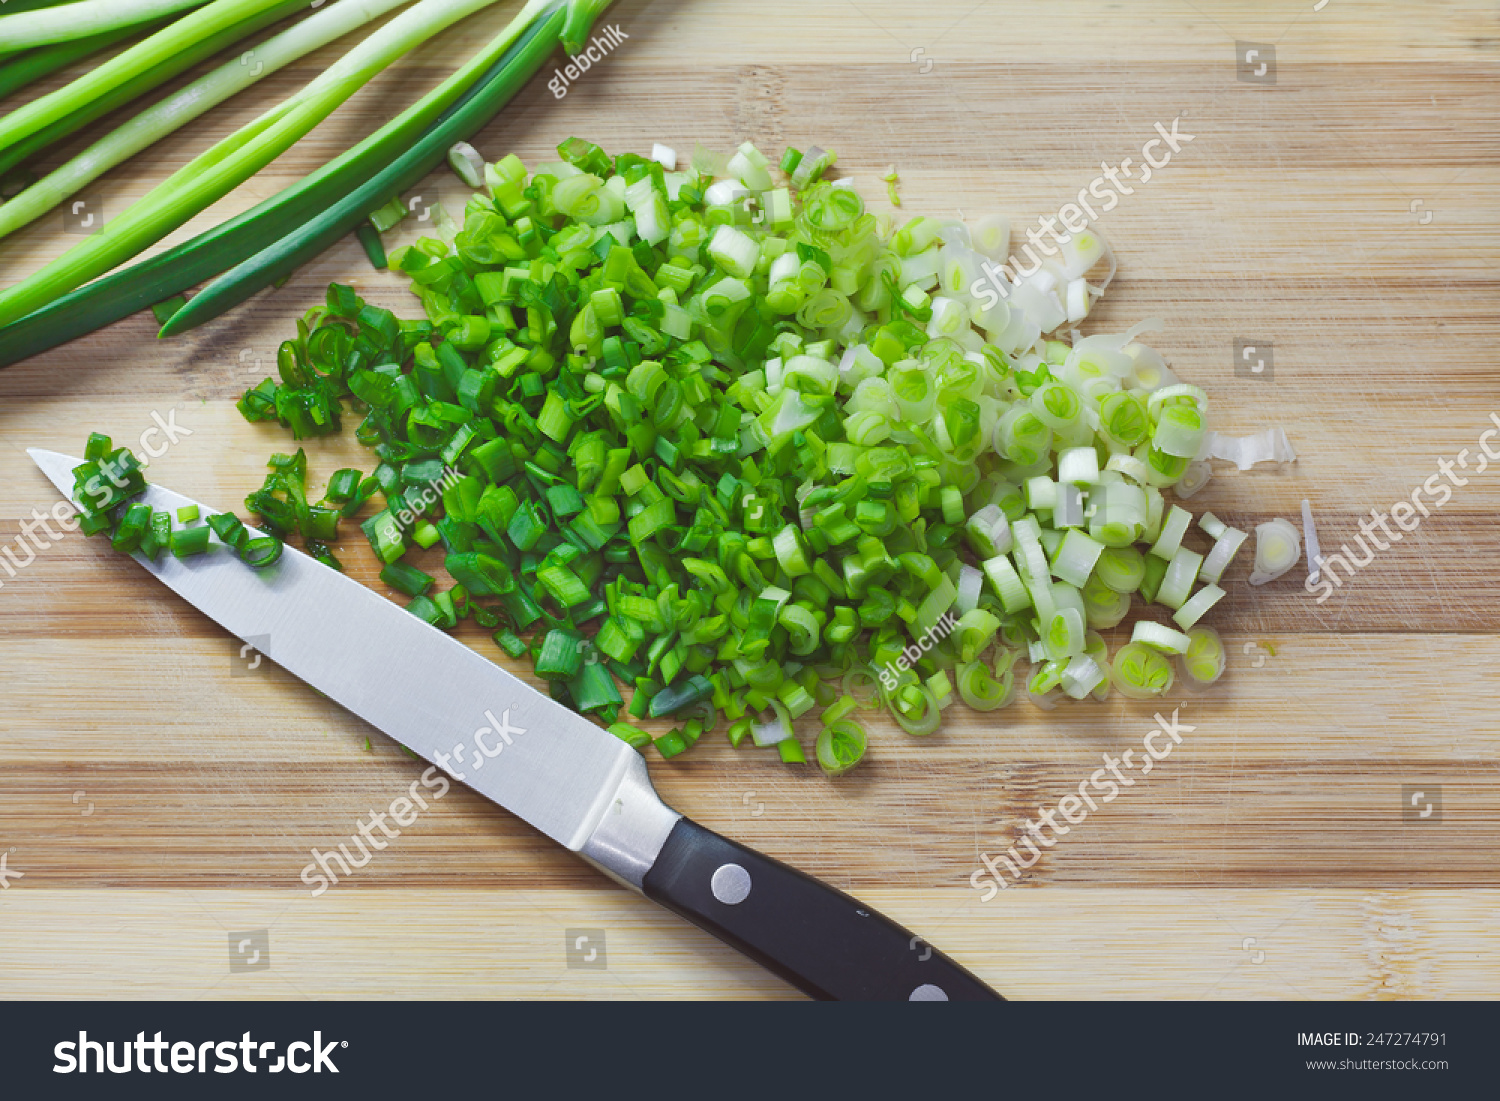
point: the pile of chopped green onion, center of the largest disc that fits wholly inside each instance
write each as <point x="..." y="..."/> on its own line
<point x="723" y="444"/>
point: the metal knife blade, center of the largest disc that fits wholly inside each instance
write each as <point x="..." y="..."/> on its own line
<point x="490" y="730"/>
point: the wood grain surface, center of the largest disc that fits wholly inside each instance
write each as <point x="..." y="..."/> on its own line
<point x="160" y="798"/>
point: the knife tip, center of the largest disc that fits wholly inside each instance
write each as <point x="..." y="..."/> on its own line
<point x="55" y="465"/>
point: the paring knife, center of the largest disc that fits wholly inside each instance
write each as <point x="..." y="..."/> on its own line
<point x="577" y="783"/>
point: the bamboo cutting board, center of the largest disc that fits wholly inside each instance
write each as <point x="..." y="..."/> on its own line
<point x="1336" y="210"/>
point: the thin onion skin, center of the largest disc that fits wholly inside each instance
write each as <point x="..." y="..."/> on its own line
<point x="863" y="684"/>
<point x="1047" y="700"/>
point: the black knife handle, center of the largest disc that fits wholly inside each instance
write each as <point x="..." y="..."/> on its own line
<point x="819" y="939"/>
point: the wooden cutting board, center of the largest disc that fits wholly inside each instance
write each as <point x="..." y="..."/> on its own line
<point x="159" y="797"/>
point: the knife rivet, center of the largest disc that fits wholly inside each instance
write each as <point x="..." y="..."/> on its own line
<point x="730" y="884"/>
<point x="928" y="993"/>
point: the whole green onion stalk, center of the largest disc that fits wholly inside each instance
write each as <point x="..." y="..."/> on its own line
<point x="82" y="19"/>
<point x="230" y="162"/>
<point x="515" y="51"/>
<point x="188" y="103"/>
<point x="504" y="79"/>
<point x="22" y="69"/>
<point x="142" y="65"/>
<point x="39" y="141"/>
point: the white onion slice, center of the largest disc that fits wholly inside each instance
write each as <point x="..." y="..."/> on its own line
<point x="1077" y="299"/>
<point x="1277" y="548"/>
<point x="1145" y="325"/>
<point x="1068" y="512"/>
<point x="466" y="163"/>
<point x="970" y="583"/>
<point x="1148" y="370"/>
<point x="1194" y="478"/>
<point x="1101" y="351"/>
<point x="1159" y="636"/>
<point x="1226" y="546"/>
<point x="1047" y="700"/>
<point x="664" y="155"/>
<point x="990" y="531"/>
<point x="951" y="231"/>
<point x="1131" y="467"/>
<point x="777" y="729"/>
<point x="991" y="236"/>
<point x="1044" y="281"/>
<point x="1081" y="676"/>
<point x="723" y="192"/>
<point x="1195" y="606"/>
<point x="1081" y="251"/>
<point x="958" y="268"/>
<point x="1034" y="296"/>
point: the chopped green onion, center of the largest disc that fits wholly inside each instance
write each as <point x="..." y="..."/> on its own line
<point x="406" y="579"/>
<point x="790" y="751"/>
<point x="1173" y="528"/>
<point x="1196" y="606"/>
<point x="806" y="480"/>
<point x="1204" y="660"/>
<point x="190" y="541"/>
<point x="840" y="746"/>
<point x="369" y="239"/>
<point x="1076" y="556"/>
<point x="1177" y="582"/>
<point x="1081" y="676"/>
<point x="1226" y="545"/>
<point x="1103" y="606"/>
<point x="261" y="551"/>
<point x="983" y="692"/>
<point x="631" y="735"/>
<point x="1159" y="637"/>
<point x="1140" y="672"/>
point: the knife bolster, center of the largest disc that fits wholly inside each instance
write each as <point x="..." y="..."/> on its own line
<point x="632" y="828"/>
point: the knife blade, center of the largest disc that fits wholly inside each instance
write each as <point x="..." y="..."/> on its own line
<point x="570" y="779"/>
